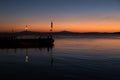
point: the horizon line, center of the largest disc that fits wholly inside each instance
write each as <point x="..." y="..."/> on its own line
<point x="56" y="31"/>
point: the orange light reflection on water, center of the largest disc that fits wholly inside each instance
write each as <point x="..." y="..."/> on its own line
<point x="89" y="45"/>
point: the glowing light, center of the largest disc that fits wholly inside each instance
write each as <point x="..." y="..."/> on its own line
<point x="26" y="28"/>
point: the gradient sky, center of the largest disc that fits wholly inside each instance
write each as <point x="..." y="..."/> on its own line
<point x="71" y="15"/>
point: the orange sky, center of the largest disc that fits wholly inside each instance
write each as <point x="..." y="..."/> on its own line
<point x="73" y="28"/>
<point x="74" y="25"/>
<point x="71" y="15"/>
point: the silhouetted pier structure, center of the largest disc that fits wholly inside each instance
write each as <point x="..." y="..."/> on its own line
<point x="22" y="43"/>
<point x="16" y="41"/>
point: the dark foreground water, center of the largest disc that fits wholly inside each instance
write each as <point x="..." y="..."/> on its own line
<point x="69" y="59"/>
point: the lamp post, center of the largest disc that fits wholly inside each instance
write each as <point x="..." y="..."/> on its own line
<point x="51" y="29"/>
<point x="26" y="28"/>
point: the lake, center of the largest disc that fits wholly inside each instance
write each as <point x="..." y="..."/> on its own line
<point x="71" y="58"/>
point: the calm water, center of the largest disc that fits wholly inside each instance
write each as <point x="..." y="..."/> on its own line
<point x="69" y="59"/>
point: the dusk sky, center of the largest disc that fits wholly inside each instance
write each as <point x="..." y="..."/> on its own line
<point x="71" y="15"/>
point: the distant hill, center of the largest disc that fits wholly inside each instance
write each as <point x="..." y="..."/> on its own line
<point x="54" y="33"/>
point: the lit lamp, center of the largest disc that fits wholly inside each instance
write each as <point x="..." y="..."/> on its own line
<point x="26" y="28"/>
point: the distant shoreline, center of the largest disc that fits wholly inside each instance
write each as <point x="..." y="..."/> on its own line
<point x="56" y="33"/>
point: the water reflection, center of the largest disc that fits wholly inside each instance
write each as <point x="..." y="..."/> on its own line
<point x="28" y="53"/>
<point x="26" y="57"/>
<point x="48" y="49"/>
<point x="85" y="59"/>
